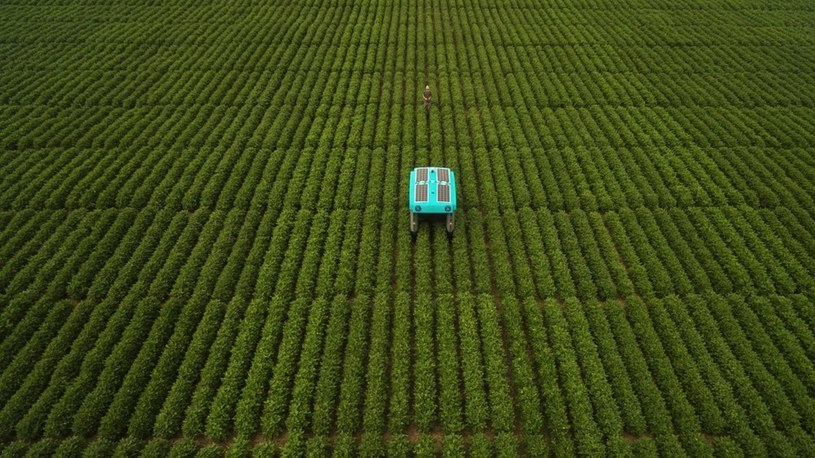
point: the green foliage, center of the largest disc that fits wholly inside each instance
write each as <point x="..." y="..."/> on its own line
<point x="204" y="245"/>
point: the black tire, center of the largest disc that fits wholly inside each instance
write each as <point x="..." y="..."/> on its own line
<point x="451" y="223"/>
<point x="414" y="223"/>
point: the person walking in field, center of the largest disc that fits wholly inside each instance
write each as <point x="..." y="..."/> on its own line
<point x="427" y="98"/>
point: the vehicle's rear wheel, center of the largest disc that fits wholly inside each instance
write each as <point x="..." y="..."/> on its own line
<point x="450" y="223"/>
<point x="414" y="223"/>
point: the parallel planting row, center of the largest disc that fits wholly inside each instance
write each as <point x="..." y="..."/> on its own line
<point x="669" y="375"/>
<point x="304" y="254"/>
<point x="594" y="179"/>
<point x="205" y="249"/>
<point x="214" y="323"/>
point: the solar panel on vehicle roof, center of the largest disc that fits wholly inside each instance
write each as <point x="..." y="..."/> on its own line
<point x="443" y="174"/>
<point x="421" y="193"/>
<point x="443" y="193"/>
<point x="421" y="174"/>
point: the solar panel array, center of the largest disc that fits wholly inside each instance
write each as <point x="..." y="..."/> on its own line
<point x="443" y="194"/>
<point x="421" y="192"/>
<point x="443" y="174"/>
<point x="422" y="184"/>
<point x="421" y="174"/>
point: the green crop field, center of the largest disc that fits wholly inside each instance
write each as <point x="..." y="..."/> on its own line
<point x="204" y="243"/>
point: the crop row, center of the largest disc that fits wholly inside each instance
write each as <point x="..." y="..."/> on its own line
<point x="562" y="48"/>
<point x="203" y="323"/>
<point x="230" y="103"/>
<point x="204" y="244"/>
<point x="518" y="253"/>
<point x="478" y="445"/>
<point x="593" y="179"/>
<point x="574" y="376"/>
